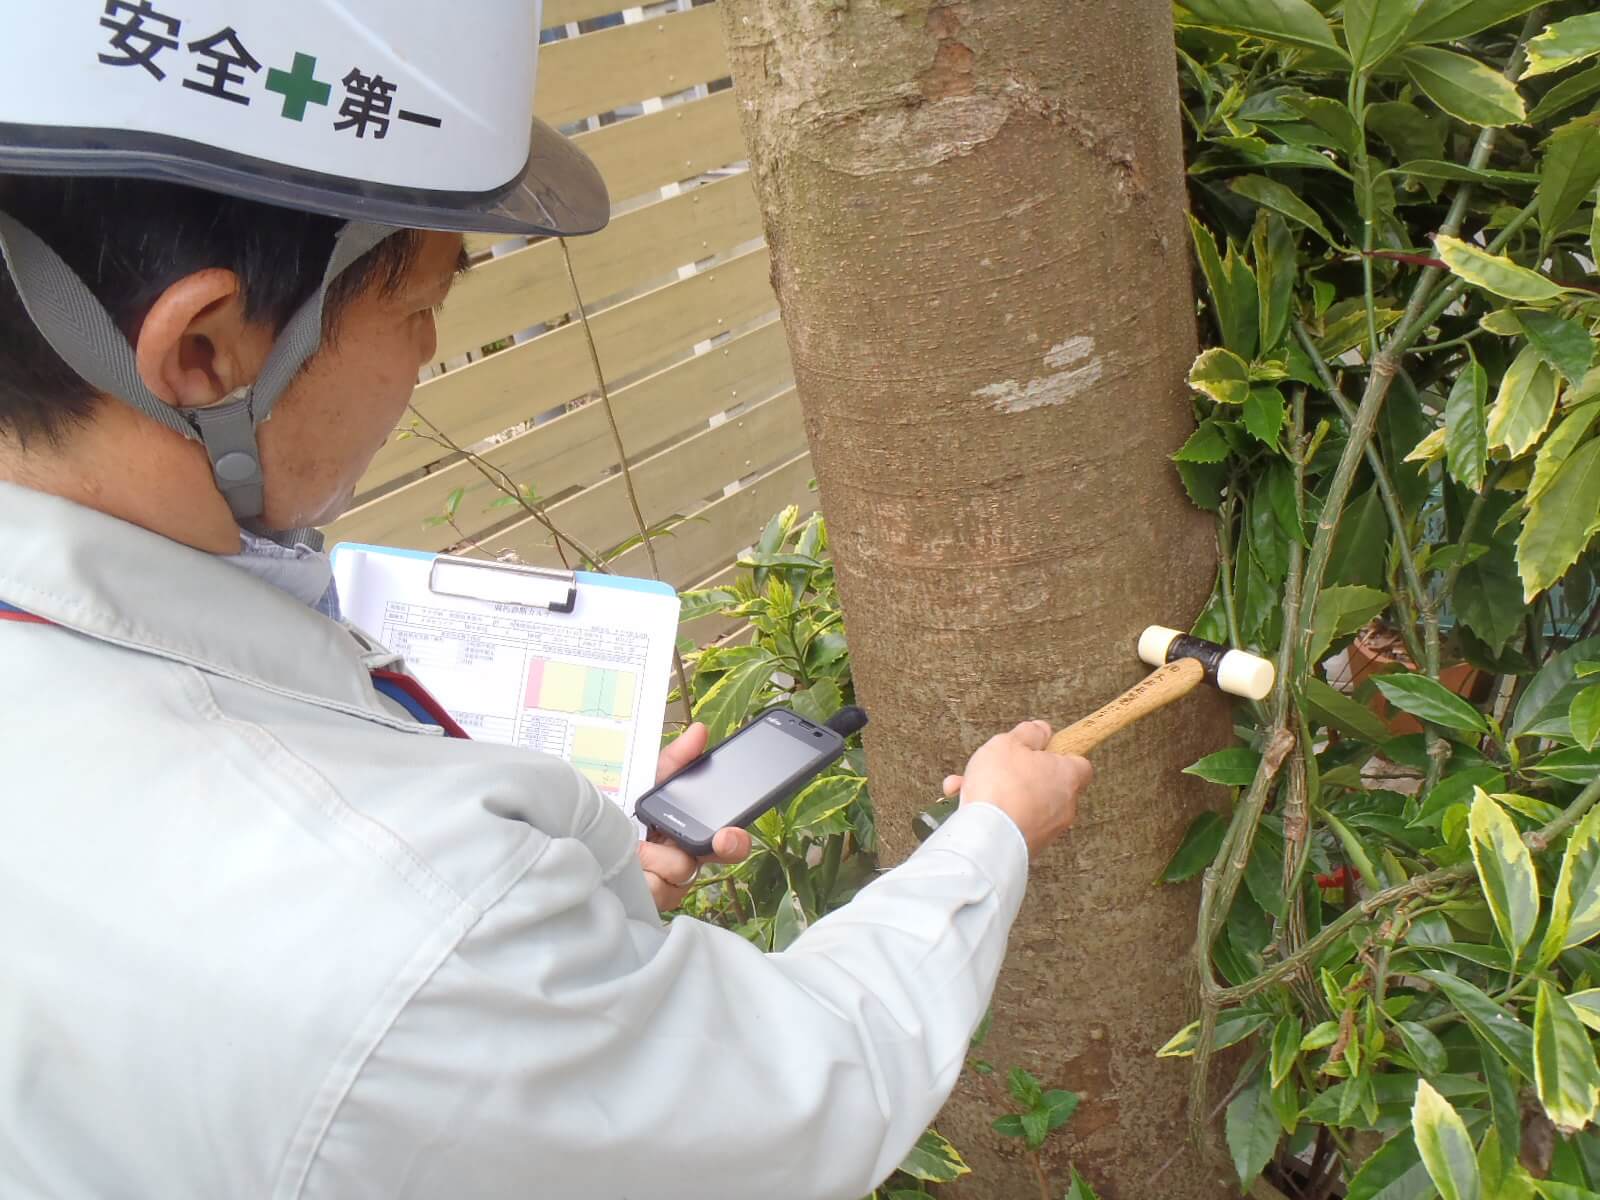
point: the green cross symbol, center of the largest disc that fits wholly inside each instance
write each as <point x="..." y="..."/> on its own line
<point x="299" y="86"/>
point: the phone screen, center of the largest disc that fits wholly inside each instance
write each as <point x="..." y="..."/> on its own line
<point x="719" y="786"/>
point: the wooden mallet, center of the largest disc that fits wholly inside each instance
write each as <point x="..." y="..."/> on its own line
<point x="1181" y="664"/>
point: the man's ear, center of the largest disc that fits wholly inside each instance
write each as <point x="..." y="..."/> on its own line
<point x="195" y="346"/>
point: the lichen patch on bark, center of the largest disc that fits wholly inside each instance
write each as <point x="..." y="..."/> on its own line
<point x="1074" y="370"/>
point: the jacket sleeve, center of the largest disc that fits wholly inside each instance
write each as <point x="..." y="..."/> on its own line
<point x="571" y="1046"/>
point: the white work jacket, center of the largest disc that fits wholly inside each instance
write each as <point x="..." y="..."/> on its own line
<point x="267" y="936"/>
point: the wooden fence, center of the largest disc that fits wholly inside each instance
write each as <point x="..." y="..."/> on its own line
<point x="682" y="314"/>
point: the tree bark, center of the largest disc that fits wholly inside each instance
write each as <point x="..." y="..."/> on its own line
<point x="975" y="215"/>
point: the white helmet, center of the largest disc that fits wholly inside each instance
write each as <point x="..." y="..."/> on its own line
<point x="394" y="113"/>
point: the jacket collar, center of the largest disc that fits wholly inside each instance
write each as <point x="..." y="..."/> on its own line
<point x="120" y="583"/>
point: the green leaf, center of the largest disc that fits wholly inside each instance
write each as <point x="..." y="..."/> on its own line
<point x="1372" y="28"/>
<point x="1253" y="1130"/>
<point x="1009" y="1125"/>
<point x="1493" y="272"/>
<point x="1558" y="447"/>
<point x="1354" y="851"/>
<point x="1271" y="194"/>
<point x="1035" y="1126"/>
<point x="1341" y="712"/>
<point x="1574" y="765"/>
<point x="1509" y="1037"/>
<point x="705" y="603"/>
<point x="1492" y="957"/>
<point x="1432" y="168"/>
<point x="1395" y="1172"/>
<point x="1451" y="20"/>
<point x="1584" y="717"/>
<point x="731" y="700"/>
<point x="1199" y="846"/>
<point x="1505" y="1108"/>
<point x="934" y="1160"/>
<point x="1233" y="312"/>
<point x="1564" y="44"/>
<point x="1291" y="21"/>
<point x="1429" y="449"/>
<point x="1233" y="767"/>
<point x="1432" y="702"/>
<point x="1423" y="1047"/>
<point x="1568" y="171"/>
<point x="769" y="559"/>
<point x="1464" y="87"/>
<point x="789" y="921"/>
<point x="1024" y="1087"/>
<point x="1341" y="611"/>
<point x="1551" y="1189"/>
<point x="1565" y="345"/>
<point x="1264" y="414"/>
<point x="1564" y="1071"/>
<point x="1319" y="1037"/>
<point x="1549" y="694"/>
<point x="1575" y="901"/>
<point x="1466" y="442"/>
<point x="823" y="799"/>
<point x="1505" y="869"/>
<point x="1586" y="1005"/>
<point x="1410" y="132"/>
<point x="1361" y="543"/>
<point x="1273" y="247"/>
<point x="1202" y="483"/>
<point x="1080" y="1189"/>
<point x="1330" y="116"/>
<point x="1222" y="375"/>
<point x="1285" y="1048"/>
<point x="1488" y="594"/>
<point x="1059" y="1105"/>
<point x="1524" y="405"/>
<point x="1231" y="1029"/>
<point x="1442" y="1140"/>
<point x="1575" y="89"/>
<point x="1560" y="522"/>
<point x="1205" y="445"/>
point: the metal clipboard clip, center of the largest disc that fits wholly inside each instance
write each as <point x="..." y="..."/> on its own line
<point x="504" y="583"/>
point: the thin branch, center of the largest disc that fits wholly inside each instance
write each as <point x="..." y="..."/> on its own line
<point x="684" y="694"/>
<point x="1418" y="885"/>
<point x="504" y="483"/>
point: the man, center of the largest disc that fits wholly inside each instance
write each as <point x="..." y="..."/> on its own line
<point x="268" y="934"/>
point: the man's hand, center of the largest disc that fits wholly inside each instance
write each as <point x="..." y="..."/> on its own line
<point x="1036" y="789"/>
<point x="669" y="869"/>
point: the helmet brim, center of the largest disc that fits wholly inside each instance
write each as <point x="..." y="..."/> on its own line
<point x="559" y="193"/>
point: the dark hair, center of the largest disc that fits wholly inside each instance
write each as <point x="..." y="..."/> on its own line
<point x="130" y="240"/>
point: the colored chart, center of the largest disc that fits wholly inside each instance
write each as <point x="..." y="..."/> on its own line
<point x="599" y="754"/>
<point x="582" y="690"/>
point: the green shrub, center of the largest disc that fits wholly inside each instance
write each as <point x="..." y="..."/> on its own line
<point x="1396" y="229"/>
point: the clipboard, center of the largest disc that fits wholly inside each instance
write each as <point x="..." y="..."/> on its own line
<point x="574" y="664"/>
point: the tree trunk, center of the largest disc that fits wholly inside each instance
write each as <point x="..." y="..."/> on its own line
<point x="975" y="214"/>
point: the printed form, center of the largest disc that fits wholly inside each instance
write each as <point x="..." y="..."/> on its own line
<point x="589" y="686"/>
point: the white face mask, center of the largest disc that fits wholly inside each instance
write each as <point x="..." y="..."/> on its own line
<point x="302" y="572"/>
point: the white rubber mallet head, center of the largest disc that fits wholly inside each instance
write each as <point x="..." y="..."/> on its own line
<point x="1234" y="671"/>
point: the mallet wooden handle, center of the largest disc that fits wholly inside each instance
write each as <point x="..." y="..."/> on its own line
<point x="1156" y="690"/>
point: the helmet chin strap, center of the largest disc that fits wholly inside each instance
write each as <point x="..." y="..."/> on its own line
<point x="81" y="331"/>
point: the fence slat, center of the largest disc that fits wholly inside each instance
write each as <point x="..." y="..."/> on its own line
<point x="504" y="295"/>
<point x="567" y="12"/>
<point x="575" y="448"/>
<point x="498" y="392"/>
<point x="642" y="153"/>
<point x="727" y="526"/>
<point x="601" y="71"/>
<point x="672" y="481"/>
